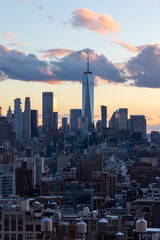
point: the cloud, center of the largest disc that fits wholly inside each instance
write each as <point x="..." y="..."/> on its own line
<point x="130" y="47"/>
<point x="71" y="67"/>
<point x="17" y="65"/>
<point x="101" y="23"/>
<point x="144" y="69"/>
<point x="8" y="35"/>
<point x="16" y="44"/>
<point x="56" y="52"/>
<point x="126" y="45"/>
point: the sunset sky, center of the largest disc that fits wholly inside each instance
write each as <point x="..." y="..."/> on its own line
<point x="44" y="46"/>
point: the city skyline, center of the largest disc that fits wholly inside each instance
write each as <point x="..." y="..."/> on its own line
<point x="113" y="43"/>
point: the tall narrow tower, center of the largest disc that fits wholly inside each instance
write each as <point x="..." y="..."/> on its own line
<point x="47" y="110"/>
<point x="18" y="119"/>
<point x="88" y="94"/>
<point x="27" y="119"/>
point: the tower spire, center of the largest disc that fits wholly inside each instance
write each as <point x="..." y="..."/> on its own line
<point x="88" y="62"/>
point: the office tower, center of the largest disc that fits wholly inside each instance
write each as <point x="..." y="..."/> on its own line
<point x="88" y="95"/>
<point x="55" y="120"/>
<point x="0" y="111"/>
<point x="75" y="114"/>
<point x="9" y="115"/>
<point x="34" y="123"/>
<point x="155" y="137"/>
<point x="114" y="121"/>
<point x="64" y="124"/>
<point x="7" y="134"/>
<point x="138" y="125"/>
<point x="104" y="116"/>
<point x="18" y="119"/>
<point x="47" y="110"/>
<point x="123" y="118"/>
<point x="27" y="119"/>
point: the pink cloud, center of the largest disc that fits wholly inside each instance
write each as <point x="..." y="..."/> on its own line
<point x="56" y="52"/>
<point x="101" y="23"/>
<point x="126" y="45"/>
<point x="131" y="47"/>
<point x="16" y="44"/>
<point x="9" y="35"/>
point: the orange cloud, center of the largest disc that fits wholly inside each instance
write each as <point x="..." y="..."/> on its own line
<point x="101" y="23"/>
<point x="56" y="52"/>
<point x="16" y="44"/>
<point x="126" y="45"/>
<point x="130" y="47"/>
<point x="9" y="35"/>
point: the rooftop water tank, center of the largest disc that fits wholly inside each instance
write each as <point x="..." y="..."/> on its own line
<point x="119" y="236"/>
<point x="46" y="225"/>
<point x="102" y="225"/>
<point x="63" y="228"/>
<point x="141" y="225"/>
<point x="81" y="227"/>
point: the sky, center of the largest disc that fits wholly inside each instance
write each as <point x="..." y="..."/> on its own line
<point x="44" y="46"/>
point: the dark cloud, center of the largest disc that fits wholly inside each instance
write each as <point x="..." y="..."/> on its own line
<point x="71" y="67"/>
<point x="144" y="69"/>
<point x="17" y="65"/>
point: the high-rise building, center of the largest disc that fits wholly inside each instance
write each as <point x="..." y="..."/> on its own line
<point x="88" y="95"/>
<point x="27" y="119"/>
<point x="47" y="110"/>
<point x="123" y="118"/>
<point x="18" y="119"/>
<point x="34" y="123"/>
<point x="0" y="111"/>
<point x="75" y="114"/>
<point x="64" y="124"/>
<point x="55" y="120"/>
<point x="114" y="121"/>
<point x="104" y="116"/>
<point x="138" y="125"/>
<point x="9" y="115"/>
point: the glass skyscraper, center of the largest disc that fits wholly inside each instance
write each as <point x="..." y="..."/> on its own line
<point x="88" y="95"/>
<point x="47" y="110"/>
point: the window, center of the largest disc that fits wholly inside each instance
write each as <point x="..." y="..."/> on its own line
<point x="20" y="223"/>
<point x="13" y="236"/>
<point x="6" y="222"/>
<point x="29" y="227"/>
<point x="13" y="222"/>
<point x="38" y="228"/>
<point x="20" y="236"/>
<point x="28" y="236"/>
<point x="6" y="236"/>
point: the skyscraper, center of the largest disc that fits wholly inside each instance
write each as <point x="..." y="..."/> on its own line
<point x="64" y="124"/>
<point x="27" y="119"/>
<point x="123" y="118"/>
<point x="138" y="125"/>
<point x="104" y="116"/>
<point x="47" y="110"/>
<point x="55" y="120"/>
<point x="0" y="111"/>
<point x="75" y="114"/>
<point x="88" y="95"/>
<point x="18" y="119"/>
<point x="34" y="123"/>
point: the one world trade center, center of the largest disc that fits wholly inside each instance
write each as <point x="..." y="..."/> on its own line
<point x="88" y="95"/>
